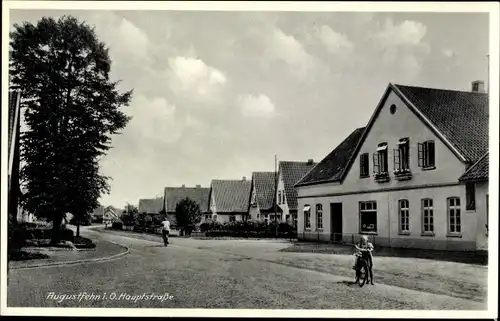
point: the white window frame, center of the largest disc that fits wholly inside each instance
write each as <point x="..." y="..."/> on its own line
<point x="307" y="218"/>
<point x="454" y="210"/>
<point x="424" y="159"/>
<point x="364" y="208"/>
<point x="404" y="216"/>
<point x="428" y="211"/>
<point x="319" y="216"/>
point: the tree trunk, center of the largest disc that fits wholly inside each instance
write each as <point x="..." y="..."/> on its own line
<point x="56" y="227"/>
<point x="78" y="228"/>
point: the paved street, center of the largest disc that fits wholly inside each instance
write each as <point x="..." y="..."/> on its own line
<point x="197" y="276"/>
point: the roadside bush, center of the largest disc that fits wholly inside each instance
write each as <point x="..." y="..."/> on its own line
<point x="252" y="229"/>
<point x="117" y="226"/>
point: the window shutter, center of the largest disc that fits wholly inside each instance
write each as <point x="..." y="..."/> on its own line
<point x="431" y="153"/>
<point x="375" y="163"/>
<point x="420" y="155"/>
<point x="367" y="164"/>
<point x="397" y="159"/>
<point x="361" y="165"/>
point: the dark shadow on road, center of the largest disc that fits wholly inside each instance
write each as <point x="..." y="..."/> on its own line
<point x="468" y="257"/>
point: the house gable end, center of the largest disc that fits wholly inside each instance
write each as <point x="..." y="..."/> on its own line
<point x="393" y="89"/>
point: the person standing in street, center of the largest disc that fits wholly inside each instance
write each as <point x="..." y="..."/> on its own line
<point x="165" y="231"/>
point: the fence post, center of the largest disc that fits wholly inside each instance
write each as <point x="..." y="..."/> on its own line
<point x="352" y="236"/>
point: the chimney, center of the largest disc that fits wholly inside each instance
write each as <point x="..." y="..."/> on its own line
<point x="310" y="161"/>
<point x="183" y="186"/>
<point x="478" y="86"/>
<point x="244" y="178"/>
<point x="198" y="186"/>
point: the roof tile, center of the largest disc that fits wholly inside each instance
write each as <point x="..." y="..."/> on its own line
<point x="151" y="205"/>
<point x="265" y="185"/>
<point x="330" y="169"/>
<point x="477" y="172"/>
<point x="292" y="172"/>
<point x="173" y="195"/>
<point x="231" y="196"/>
<point x="462" y="117"/>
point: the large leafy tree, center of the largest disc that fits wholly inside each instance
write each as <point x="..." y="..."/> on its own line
<point x="187" y="214"/>
<point x="72" y="108"/>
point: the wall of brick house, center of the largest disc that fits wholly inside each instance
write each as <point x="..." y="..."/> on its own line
<point x="388" y="218"/>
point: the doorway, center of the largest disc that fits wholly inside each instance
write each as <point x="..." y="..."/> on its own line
<point x="336" y="222"/>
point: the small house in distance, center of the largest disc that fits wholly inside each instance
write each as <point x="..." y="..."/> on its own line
<point x="263" y="196"/>
<point x="230" y="200"/>
<point x="173" y="195"/>
<point x="289" y="173"/>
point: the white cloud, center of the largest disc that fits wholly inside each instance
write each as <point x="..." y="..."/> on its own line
<point x="128" y="43"/>
<point x="153" y="119"/>
<point x="335" y="42"/>
<point x="448" y="52"/>
<point x="288" y="49"/>
<point x="194" y="78"/>
<point x="259" y="106"/>
<point x="406" y="33"/>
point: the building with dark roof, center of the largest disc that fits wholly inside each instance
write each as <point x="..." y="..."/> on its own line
<point x="173" y="195"/>
<point x="410" y="178"/>
<point x="263" y="196"/>
<point x="290" y="173"/>
<point x="230" y="199"/>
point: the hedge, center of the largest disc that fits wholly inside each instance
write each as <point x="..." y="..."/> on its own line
<point x="247" y="229"/>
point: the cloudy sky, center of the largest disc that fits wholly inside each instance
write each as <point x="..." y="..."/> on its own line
<point x="218" y="94"/>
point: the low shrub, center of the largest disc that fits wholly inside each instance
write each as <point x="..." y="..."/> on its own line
<point x="117" y="226"/>
<point x="24" y="256"/>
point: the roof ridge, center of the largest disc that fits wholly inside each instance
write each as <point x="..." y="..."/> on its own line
<point x="443" y="89"/>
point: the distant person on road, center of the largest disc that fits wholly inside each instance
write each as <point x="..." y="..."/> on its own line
<point x="165" y="231"/>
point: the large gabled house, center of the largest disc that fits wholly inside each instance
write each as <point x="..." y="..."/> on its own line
<point x="415" y="176"/>
<point x="289" y="173"/>
<point x="173" y="195"/>
<point x="230" y="200"/>
<point x="263" y="198"/>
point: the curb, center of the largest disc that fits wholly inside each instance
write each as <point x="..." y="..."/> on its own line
<point x="64" y="263"/>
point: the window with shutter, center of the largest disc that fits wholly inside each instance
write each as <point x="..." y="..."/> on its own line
<point x="363" y="165"/>
<point x="426" y="155"/>
<point x="375" y="163"/>
<point x="420" y="155"/>
<point x="397" y="160"/>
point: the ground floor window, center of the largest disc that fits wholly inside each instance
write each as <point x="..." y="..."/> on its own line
<point x="319" y="216"/>
<point x="404" y="216"/>
<point x="454" y="215"/>
<point x="307" y="217"/>
<point x="368" y="216"/>
<point x="232" y="218"/>
<point x="427" y="215"/>
<point x="207" y="217"/>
